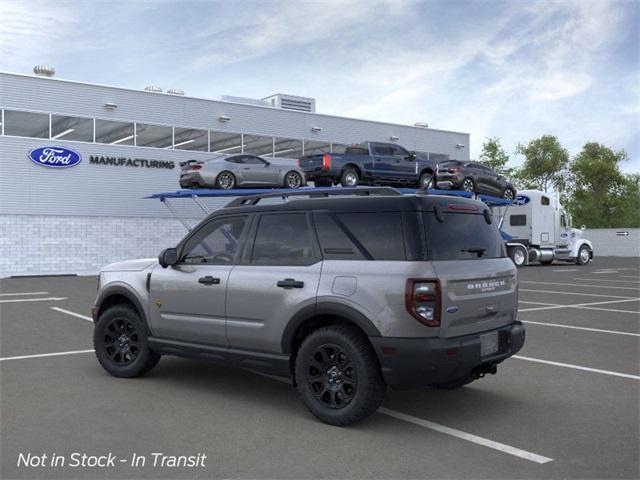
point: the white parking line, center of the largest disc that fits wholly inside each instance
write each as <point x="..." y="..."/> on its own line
<point x="40" y="355"/>
<point x="485" y="442"/>
<point x="582" y="285"/>
<point x="47" y="299"/>
<point x="628" y="276"/>
<point x="597" y="330"/>
<point x="633" y="312"/>
<point x="567" y="270"/>
<point x="573" y="293"/>
<point x="578" y="367"/>
<point x="604" y="280"/>
<point x="23" y="293"/>
<point x="73" y="314"/>
<point x="605" y="272"/>
<point x="588" y="306"/>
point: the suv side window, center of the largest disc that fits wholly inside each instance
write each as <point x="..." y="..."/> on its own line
<point x="334" y="241"/>
<point x="379" y="233"/>
<point x="283" y="239"/>
<point x="398" y="151"/>
<point x="218" y="242"/>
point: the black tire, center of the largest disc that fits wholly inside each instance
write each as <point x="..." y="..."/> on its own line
<point x="349" y="177"/>
<point x="426" y="181"/>
<point x="453" y="384"/>
<point x="468" y="185"/>
<point x="509" y="194"/>
<point x="226" y="180"/>
<point x="518" y="256"/>
<point x="584" y="255"/>
<point x="351" y="388"/>
<point x="293" y="179"/>
<point x="323" y="182"/>
<point x="128" y="356"/>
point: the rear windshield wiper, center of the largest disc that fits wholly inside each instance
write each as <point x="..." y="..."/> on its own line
<point x="479" y="250"/>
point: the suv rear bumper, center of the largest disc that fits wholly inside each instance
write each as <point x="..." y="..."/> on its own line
<point x="418" y="362"/>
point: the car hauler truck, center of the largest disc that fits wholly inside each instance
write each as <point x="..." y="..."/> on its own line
<point x="538" y="229"/>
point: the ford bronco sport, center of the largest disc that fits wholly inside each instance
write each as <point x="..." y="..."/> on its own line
<point x="345" y="295"/>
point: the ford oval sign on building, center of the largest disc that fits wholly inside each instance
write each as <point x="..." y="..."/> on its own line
<point x="55" y="157"/>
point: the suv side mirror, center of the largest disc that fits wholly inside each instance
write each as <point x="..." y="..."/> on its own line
<point x="168" y="257"/>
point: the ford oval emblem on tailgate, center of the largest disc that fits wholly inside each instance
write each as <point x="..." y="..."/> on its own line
<point x="55" y="157"/>
<point x="452" y="309"/>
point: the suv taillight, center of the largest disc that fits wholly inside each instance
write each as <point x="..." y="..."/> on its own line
<point x="453" y="170"/>
<point x="326" y="161"/>
<point x="299" y="162"/>
<point x="196" y="167"/>
<point x="422" y="300"/>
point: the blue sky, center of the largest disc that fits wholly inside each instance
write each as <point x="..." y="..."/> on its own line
<point x="514" y="70"/>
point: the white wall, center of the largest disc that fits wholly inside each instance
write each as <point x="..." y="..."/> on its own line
<point x="608" y="242"/>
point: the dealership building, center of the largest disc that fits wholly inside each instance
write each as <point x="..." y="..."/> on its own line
<point x="128" y="145"/>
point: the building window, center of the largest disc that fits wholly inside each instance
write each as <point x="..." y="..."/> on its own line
<point x="287" y="148"/>
<point x="225" y="143"/>
<point x="258" y="145"/>
<point x="156" y="136"/>
<point x="71" y="128"/>
<point x="114" y="133"/>
<point x="313" y="148"/>
<point x="191" y="139"/>
<point x="26" y="124"/>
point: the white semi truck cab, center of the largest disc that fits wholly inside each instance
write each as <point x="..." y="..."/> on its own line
<point x="539" y="230"/>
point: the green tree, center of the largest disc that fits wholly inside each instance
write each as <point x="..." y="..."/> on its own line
<point x="600" y="195"/>
<point x="494" y="156"/>
<point x="545" y="164"/>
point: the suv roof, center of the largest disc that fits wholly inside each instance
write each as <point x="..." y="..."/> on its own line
<point x="377" y="203"/>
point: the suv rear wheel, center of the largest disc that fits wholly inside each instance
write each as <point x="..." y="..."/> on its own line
<point x="121" y="345"/>
<point x="338" y="376"/>
<point x="468" y="185"/>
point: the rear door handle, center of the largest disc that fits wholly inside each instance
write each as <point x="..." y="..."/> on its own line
<point x="290" y="283"/>
<point x="209" y="280"/>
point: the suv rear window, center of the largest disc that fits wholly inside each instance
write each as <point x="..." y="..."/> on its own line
<point x="462" y="236"/>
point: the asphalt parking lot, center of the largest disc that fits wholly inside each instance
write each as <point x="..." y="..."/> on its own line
<point x="566" y="407"/>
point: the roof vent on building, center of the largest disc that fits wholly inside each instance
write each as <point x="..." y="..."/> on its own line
<point x="421" y="124"/>
<point x="291" y="102"/>
<point x="153" y="88"/>
<point x="175" y="91"/>
<point x="44" y="71"/>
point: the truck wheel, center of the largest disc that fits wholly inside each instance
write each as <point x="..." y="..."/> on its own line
<point x="426" y="181"/>
<point x="509" y="194"/>
<point x="338" y="375"/>
<point x="584" y="255"/>
<point x="226" y="180"/>
<point x="518" y="256"/>
<point x="468" y="185"/>
<point x="349" y="178"/>
<point x="453" y="384"/>
<point x="120" y="339"/>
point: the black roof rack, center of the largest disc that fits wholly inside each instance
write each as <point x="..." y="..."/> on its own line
<point x="315" y="193"/>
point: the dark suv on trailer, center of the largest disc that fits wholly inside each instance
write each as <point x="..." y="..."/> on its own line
<point x="345" y="295"/>
<point x="473" y="177"/>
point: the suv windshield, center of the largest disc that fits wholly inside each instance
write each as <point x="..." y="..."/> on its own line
<point x="462" y="236"/>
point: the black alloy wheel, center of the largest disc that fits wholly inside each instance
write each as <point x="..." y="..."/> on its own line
<point x="121" y="341"/>
<point x="331" y="376"/>
<point x="468" y="185"/>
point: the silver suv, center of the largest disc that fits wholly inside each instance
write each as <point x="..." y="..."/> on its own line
<point x="345" y="295"/>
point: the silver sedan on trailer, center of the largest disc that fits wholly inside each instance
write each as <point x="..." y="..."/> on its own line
<point x="241" y="170"/>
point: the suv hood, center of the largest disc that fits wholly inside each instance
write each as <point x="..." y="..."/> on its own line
<point x="130" y="265"/>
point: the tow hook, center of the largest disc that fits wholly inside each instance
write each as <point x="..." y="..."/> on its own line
<point x="483" y="370"/>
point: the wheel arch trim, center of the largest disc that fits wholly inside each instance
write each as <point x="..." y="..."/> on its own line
<point x="120" y="290"/>
<point x="326" y="309"/>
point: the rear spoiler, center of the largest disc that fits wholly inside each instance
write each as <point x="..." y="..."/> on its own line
<point x="188" y="162"/>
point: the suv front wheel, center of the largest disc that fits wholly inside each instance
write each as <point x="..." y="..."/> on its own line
<point x="338" y="376"/>
<point x="121" y="345"/>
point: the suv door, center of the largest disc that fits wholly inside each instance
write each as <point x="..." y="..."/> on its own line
<point x="187" y="300"/>
<point x="278" y="275"/>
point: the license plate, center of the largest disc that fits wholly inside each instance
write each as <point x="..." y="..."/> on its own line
<point x="488" y="344"/>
